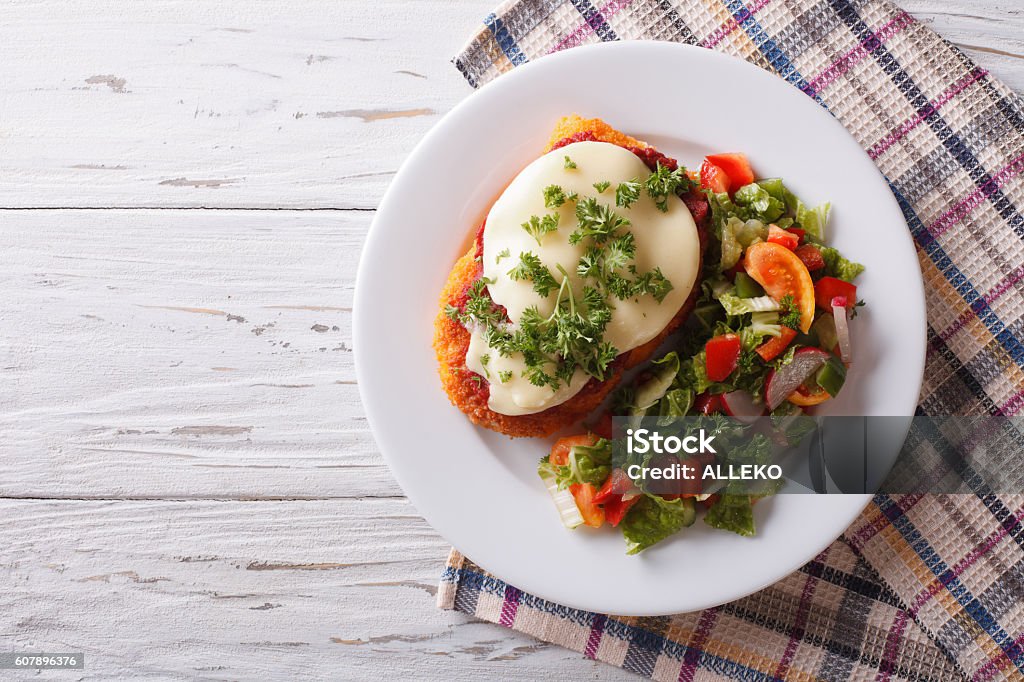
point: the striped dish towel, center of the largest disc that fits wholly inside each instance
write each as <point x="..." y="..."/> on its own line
<point x="920" y="587"/>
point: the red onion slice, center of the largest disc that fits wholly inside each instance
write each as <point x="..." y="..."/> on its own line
<point x="788" y="378"/>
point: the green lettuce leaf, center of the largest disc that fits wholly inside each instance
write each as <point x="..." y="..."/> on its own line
<point x="734" y="513"/>
<point x="651" y="391"/>
<point x="813" y="220"/>
<point x="591" y="463"/>
<point x="653" y="519"/>
<point x="837" y="266"/>
<point x="587" y="464"/>
<point x="737" y="235"/>
<point x="734" y="305"/>
<point x="675" y="403"/>
<point x="759" y="203"/>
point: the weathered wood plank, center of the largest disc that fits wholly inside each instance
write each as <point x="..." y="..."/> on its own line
<point x="270" y="104"/>
<point x="234" y="590"/>
<point x="221" y="104"/>
<point x="182" y="354"/>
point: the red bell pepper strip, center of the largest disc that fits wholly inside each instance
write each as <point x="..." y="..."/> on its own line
<point x="773" y="347"/>
<point x="828" y="288"/>
<point x="721" y="355"/>
<point x="617" y="483"/>
<point x="584" y="494"/>
<point x="616" y="507"/>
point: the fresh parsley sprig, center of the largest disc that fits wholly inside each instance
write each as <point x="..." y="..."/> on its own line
<point x="789" y="314"/>
<point x="530" y="268"/>
<point x="597" y="221"/>
<point x="537" y="227"/>
<point x="628" y="193"/>
<point x="663" y="183"/>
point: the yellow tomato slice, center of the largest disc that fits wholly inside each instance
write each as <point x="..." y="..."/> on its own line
<point x="781" y="273"/>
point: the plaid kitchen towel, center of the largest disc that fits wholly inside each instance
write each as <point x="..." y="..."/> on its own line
<point x="920" y="587"/>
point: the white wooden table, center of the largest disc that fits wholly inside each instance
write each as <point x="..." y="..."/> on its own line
<point x="188" y="488"/>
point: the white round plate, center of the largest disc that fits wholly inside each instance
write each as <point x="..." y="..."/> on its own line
<point x="480" y="489"/>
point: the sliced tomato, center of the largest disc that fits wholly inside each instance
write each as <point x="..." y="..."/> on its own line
<point x="615" y="508"/>
<point x="563" y="446"/>
<point x="584" y="494"/>
<point x="801" y="234"/>
<point x="828" y="288"/>
<point x="773" y="347"/>
<point x="810" y="256"/>
<point x="721" y="355"/>
<point x="805" y="397"/>
<point x="782" y="274"/>
<point x="736" y="167"/>
<point x="776" y="235"/>
<point x="707" y="403"/>
<point x="713" y="178"/>
<point x="617" y="483"/>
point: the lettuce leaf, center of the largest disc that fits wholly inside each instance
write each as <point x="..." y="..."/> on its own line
<point x="587" y="464"/>
<point x="837" y="266"/>
<point x="762" y="325"/>
<point x="734" y="305"/>
<point x="651" y="391"/>
<point x="759" y="203"/>
<point x="737" y="235"/>
<point x="734" y="513"/>
<point x="675" y="403"/>
<point x="653" y="519"/>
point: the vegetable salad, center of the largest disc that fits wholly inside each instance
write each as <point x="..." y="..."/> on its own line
<point x="770" y="336"/>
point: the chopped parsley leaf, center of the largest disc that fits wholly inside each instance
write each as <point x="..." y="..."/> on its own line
<point x="553" y="196"/>
<point x="538" y="227"/>
<point x="627" y="193"/>
<point x="602" y="186"/>
<point x="530" y="268"/>
<point x="597" y="221"/>
<point x="569" y="163"/>
<point x="789" y="315"/>
<point x="663" y="183"/>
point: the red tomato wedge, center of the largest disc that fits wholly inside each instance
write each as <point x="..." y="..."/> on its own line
<point x="563" y="446"/>
<point x="782" y="274"/>
<point x="584" y="494"/>
<point x="810" y="256"/>
<point x="736" y="167"/>
<point x="828" y="288"/>
<point x="713" y="178"/>
<point x="776" y="235"/>
<point x="797" y="231"/>
<point x="721" y="354"/>
<point x="773" y="347"/>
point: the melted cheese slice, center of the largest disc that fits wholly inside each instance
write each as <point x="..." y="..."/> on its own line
<point x="667" y="240"/>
